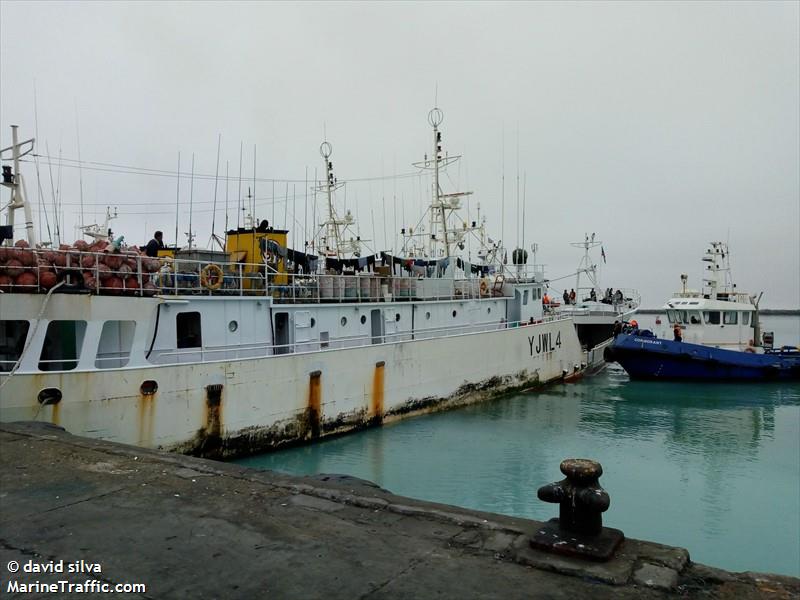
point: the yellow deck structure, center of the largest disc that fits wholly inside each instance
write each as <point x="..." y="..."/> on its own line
<point x="244" y="246"/>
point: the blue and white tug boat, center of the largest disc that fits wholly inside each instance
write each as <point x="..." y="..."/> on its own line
<point x="714" y="334"/>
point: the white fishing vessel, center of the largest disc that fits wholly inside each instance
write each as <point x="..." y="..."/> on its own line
<point x="593" y="309"/>
<point x="220" y="353"/>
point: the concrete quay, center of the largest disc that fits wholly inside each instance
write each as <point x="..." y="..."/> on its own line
<point x="193" y="528"/>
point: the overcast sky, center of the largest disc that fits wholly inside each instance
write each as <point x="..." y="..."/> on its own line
<point x="660" y="127"/>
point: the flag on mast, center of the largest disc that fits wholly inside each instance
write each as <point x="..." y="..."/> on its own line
<point x="603" y="254"/>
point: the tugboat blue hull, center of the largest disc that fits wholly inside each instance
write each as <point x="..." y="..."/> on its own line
<point x="648" y="357"/>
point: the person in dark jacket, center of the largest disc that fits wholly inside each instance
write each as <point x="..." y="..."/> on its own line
<point x="676" y="331"/>
<point x="617" y="328"/>
<point x="155" y="244"/>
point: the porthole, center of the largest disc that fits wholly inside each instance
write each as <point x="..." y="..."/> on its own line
<point x="148" y="388"/>
<point x="397" y="317"/>
<point x="313" y="321"/>
<point x="343" y="321"/>
<point x="454" y="314"/>
<point x="489" y="310"/>
<point x="233" y="326"/>
<point x="363" y="319"/>
<point x="427" y="316"/>
<point x="49" y="396"/>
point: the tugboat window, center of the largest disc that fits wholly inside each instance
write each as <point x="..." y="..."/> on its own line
<point x="729" y="317"/>
<point x="343" y="321"/>
<point x="363" y="319"/>
<point x="745" y="321"/>
<point x="711" y="317"/>
<point x="189" y="331"/>
<point x="694" y="317"/>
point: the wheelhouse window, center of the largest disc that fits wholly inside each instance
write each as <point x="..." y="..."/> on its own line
<point x="711" y="317"/>
<point x="116" y="340"/>
<point x="694" y="317"/>
<point x="189" y="331"/>
<point x="729" y="317"/>
<point x="678" y="316"/>
<point x="745" y="318"/>
<point x="12" y="342"/>
<point x="62" y="345"/>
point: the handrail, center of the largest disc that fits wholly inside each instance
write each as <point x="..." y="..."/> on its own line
<point x="130" y="274"/>
<point x="315" y="344"/>
<point x="336" y="343"/>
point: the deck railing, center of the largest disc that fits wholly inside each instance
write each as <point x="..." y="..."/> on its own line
<point x="26" y="270"/>
<point x="213" y="353"/>
<point x="233" y="352"/>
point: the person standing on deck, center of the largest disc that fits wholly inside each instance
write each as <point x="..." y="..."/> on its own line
<point x="154" y="245"/>
<point x="676" y="332"/>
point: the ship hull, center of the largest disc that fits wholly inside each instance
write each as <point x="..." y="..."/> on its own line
<point x="232" y="408"/>
<point x="645" y="357"/>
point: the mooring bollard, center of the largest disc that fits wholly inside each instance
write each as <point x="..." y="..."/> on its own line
<point x="579" y="529"/>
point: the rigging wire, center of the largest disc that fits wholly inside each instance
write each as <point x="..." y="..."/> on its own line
<point x="133" y="170"/>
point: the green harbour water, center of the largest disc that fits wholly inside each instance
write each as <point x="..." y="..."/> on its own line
<point x="712" y="467"/>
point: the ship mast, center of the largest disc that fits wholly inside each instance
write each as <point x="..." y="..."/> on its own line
<point x="717" y="276"/>
<point x="15" y="181"/>
<point x="98" y="231"/>
<point x="333" y="242"/>
<point x="586" y="265"/>
<point x="442" y="237"/>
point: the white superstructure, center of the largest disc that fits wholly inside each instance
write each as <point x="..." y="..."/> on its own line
<point x="226" y="353"/>
<point x="717" y="315"/>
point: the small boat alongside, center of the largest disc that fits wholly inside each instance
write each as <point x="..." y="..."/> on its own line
<point x="593" y="309"/>
<point x="716" y="335"/>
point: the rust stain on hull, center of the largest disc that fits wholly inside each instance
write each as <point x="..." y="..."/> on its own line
<point x="208" y="441"/>
<point x="376" y="401"/>
<point x="314" y="405"/>
<point x="308" y="424"/>
<point x="146" y="404"/>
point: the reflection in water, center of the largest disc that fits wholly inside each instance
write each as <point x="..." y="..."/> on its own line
<point x="715" y="468"/>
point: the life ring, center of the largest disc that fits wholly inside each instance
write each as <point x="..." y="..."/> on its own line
<point x="211" y="277"/>
<point x="484" y="287"/>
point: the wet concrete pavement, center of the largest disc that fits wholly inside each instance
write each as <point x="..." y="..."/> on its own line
<point x="192" y="528"/>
